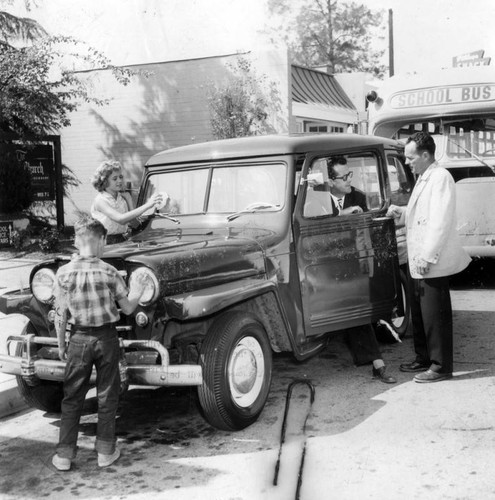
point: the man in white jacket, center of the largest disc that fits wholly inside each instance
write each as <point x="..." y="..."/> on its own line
<point x="435" y="253"/>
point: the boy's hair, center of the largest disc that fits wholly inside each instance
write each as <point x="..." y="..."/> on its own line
<point x="103" y="172"/>
<point x="87" y="226"/>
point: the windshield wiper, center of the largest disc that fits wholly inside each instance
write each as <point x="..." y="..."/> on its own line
<point x="476" y="157"/>
<point x="166" y="216"/>
<point x="251" y="209"/>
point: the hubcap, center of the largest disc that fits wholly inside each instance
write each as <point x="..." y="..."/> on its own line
<point x="246" y="371"/>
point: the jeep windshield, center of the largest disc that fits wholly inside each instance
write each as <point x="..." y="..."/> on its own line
<point x="223" y="189"/>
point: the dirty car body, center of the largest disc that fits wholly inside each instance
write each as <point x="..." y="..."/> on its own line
<point x="240" y="265"/>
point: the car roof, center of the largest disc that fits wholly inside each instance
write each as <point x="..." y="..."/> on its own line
<point x="264" y="145"/>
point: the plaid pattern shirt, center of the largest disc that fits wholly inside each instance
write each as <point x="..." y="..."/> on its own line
<point x="87" y="288"/>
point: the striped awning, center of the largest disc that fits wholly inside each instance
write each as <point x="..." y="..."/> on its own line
<point x="310" y="86"/>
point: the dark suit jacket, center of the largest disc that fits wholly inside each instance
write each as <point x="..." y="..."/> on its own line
<point x="355" y="197"/>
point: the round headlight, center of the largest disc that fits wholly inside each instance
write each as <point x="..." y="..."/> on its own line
<point x="43" y="284"/>
<point x="150" y="281"/>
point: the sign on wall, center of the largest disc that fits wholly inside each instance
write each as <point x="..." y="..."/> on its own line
<point x="40" y="162"/>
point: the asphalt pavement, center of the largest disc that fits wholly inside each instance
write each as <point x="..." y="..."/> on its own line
<point x="365" y="439"/>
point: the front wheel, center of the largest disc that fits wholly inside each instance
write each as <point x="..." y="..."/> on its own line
<point x="43" y="395"/>
<point x="237" y="370"/>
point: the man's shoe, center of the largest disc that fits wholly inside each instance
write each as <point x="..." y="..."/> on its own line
<point x="106" y="460"/>
<point x="415" y="366"/>
<point x="61" y="463"/>
<point x="431" y="376"/>
<point x="380" y="374"/>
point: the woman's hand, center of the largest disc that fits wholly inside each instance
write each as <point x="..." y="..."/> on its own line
<point x="157" y="200"/>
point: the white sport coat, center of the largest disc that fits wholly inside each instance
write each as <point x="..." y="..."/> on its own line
<point x="430" y="220"/>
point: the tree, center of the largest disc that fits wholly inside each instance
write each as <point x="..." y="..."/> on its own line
<point x="329" y="33"/>
<point x="38" y="90"/>
<point x="240" y="107"/>
<point x="38" y="87"/>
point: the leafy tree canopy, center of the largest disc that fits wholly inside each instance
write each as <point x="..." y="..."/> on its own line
<point x="329" y="33"/>
<point x="240" y="106"/>
<point x="38" y="87"/>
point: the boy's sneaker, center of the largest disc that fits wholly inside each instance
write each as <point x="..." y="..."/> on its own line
<point x="61" y="463"/>
<point x="106" y="460"/>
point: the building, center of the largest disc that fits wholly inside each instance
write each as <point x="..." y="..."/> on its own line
<point x="166" y="106"/>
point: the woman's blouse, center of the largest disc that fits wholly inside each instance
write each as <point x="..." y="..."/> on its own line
<point x="119" y="204"/>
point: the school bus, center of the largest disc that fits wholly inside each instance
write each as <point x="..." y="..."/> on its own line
<point x="457" y="106"/>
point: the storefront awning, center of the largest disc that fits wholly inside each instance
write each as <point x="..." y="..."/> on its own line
<point x="315" y="87"/>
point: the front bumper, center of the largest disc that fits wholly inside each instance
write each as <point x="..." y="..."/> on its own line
<point x="30" y="366"/>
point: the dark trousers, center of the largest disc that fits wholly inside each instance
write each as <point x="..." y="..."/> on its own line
<point x="431" y="314"/>
<point x="101" y="349"/>
<point x="363" y="344"/>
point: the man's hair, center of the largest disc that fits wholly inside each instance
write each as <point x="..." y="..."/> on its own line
<point x="103" y="172"/>
<point x="424" y="142"/>
<point x="87" y="226"/>
<point x="333" y="161"/>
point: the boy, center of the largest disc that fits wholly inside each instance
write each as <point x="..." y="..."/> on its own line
<point x="86" y="291"/>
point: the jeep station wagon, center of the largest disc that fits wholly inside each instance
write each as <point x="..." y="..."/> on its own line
<point x="245" y="259"/>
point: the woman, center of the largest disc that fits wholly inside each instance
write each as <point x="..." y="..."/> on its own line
<point x="112" y="206"/>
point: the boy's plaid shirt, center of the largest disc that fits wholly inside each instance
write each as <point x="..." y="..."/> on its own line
<point x="89" y="287"/>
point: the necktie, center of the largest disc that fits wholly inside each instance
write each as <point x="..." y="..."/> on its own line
<point x="340" y="202"/>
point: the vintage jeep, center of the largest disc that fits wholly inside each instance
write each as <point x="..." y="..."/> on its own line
<point x="241" y="264"/>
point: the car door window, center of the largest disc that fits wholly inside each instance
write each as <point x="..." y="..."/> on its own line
<point x="363" y="180"/>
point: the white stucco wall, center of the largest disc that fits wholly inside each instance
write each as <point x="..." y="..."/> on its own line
<point x="166" y="109"/>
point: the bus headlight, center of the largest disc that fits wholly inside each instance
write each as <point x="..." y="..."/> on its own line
<point x="151" y="286"/>
<point x="43" y="285"/>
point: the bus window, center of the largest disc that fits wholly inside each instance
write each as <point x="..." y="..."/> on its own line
<point x="401" y="181"/>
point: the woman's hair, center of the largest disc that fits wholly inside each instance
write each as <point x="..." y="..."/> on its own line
<point x="103" y="172"/>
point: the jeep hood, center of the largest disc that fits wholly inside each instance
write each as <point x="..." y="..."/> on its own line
<point x="193" y="259"/>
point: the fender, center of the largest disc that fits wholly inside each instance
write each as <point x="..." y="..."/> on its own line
<point x="23" y="302"/>
<point x="201" y="303"/>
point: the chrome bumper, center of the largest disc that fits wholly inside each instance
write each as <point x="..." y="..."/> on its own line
<point x="31" y="367"/>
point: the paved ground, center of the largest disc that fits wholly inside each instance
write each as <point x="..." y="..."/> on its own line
<point x="364" y="439"/>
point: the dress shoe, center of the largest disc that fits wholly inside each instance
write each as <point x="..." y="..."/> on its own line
<point x="61" y="463"/>
<point x="380" y="374"/>
<point x="415" y="366"/>
<point x="431" y="376"/>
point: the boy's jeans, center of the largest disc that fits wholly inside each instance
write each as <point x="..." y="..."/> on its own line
<point x="100" y="348"/>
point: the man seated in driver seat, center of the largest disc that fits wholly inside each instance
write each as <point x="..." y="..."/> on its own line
<point x="346" y="199"/>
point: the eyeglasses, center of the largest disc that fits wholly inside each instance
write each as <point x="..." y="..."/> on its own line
<point x="344" y="177"/>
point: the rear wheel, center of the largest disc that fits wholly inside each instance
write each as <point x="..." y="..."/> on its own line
<point x="44" y="395"/>
<point x="237" y="369"/>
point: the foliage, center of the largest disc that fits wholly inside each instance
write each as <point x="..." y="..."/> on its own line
<point x="49" y="239"/>
<point x="240" y="107"/>
<point x="15" y="182"/>
<point x="19" y="27"/>
<point x="20" y="238"/>
<point x="330" y="33"/>
<point x="38" y="85"/>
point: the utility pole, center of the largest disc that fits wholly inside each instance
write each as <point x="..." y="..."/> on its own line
<point x="390" y="42"/>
